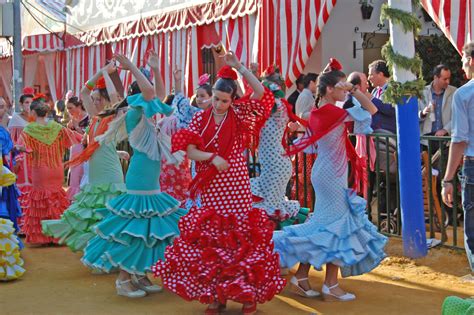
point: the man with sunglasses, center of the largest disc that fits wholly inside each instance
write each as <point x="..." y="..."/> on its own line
<point x="462" y="145"/>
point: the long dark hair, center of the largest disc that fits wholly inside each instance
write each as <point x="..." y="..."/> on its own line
<point x="76" y="102"/>
<point x="325" y="80"/>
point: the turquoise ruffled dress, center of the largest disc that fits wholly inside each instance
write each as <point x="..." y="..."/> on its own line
<point x="339" y="231"/>
<point x="105" y="182"/>
<point x="139" y="224"/>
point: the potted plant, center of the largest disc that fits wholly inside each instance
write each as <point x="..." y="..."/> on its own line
<point x="366" y="8"/>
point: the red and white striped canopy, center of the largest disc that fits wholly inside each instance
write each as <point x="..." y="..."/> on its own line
<point x="51" y="42"/>
<point x="455" y="18"/>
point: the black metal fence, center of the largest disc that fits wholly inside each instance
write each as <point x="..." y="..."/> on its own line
<point x="383" y="193"/>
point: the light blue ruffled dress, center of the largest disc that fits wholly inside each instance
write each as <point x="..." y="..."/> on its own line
<point x="339" y="231"/>
<point x="139" y="224"/>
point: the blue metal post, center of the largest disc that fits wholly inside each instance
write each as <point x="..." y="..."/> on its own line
<point x="409" y="167"/>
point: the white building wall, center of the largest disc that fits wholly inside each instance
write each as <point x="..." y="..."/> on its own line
<point x="338" y="36"/>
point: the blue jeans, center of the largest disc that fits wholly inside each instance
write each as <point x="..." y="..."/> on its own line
<point x="467" y="181"/>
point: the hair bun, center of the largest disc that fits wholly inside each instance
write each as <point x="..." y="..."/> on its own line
<point x="227" y="72"/>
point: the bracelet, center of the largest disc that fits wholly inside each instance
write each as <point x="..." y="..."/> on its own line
<point x="445" y="182"/>
<point x="213" y="156"/>
<point x="89" y="85"/>
<point x="242" y="69"/>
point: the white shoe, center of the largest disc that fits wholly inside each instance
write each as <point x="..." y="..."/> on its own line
<point x="126" y="292"/>
<point x="154" y="288"/>
<point x="297" y="289"/>
<point x="328" y="296"/>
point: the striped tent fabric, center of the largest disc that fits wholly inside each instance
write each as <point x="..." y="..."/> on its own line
<point x="455" y="18"/>
<point x="82" y="63"/>
<point x="297" y="27"/>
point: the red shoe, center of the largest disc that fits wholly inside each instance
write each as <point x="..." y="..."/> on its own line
<point x="249" y="309"/>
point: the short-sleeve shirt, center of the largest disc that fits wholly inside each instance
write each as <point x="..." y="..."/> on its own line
<point x="463" y="117"/>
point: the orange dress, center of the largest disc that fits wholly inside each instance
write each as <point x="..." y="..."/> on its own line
<point x="47" y="199"/>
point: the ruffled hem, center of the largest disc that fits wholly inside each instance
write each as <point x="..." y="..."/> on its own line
<point x="351" y="242"/>
<point x="10" y="260"/>
<point x="220" y="258"/>
<point x="284" y="210"/>
<point x="128" y="240"/>
<point x="42" y="205"/>
<point x="74" y="227"/>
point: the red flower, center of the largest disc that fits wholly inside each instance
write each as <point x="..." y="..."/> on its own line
<point x="227" y="72"/>
<point x="100" y="84"/>
<point x="29" y="90"/>
<point x="40" y="96"/>
<point x="334" y="65"/>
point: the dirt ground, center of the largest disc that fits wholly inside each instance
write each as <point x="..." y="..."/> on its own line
<point x="57" y="283"/>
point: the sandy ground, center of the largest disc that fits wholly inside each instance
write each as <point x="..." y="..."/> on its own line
<point x="57" y="283"/>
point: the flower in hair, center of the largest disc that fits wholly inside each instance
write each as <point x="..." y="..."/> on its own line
<point x="275" y="88"/>
<point x="100" y="84"/>
<point x="227" y="72"/>
<point x="29" y="90"/>
<point x="271" y="70"/>
<point x="204" y="79"/>
<point x="40" y="97"/>
<point x="333" y="65"/>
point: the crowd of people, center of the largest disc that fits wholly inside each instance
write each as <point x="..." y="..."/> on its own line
<point x="186" y="210"/>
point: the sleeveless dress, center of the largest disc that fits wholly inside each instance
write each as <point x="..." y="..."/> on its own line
<point x="276" y="169"/>
<point x="47" y="199"/>
<point x="339" y="231"/>
<point x="225" y="250"/>
<point x="105" y="182"/>
<point x="139" y="224"/>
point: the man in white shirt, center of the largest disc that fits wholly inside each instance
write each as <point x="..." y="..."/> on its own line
<point x="305" y="101"/>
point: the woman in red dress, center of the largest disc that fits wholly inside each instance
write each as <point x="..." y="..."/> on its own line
<point x="225" y="251"/>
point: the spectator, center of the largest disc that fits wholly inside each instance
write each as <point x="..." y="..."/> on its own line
<point x="294" y="96"/>
<point x="435" y="109"/>
<point x="462" y="143"/>
<point x="385" y="117"/>
<point x="305" y="102"/>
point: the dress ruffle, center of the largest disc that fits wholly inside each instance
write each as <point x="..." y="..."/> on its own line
<point x="42" y="205"/>
<point x="10" y="260"/>
<point x="12" y="211"/>
<point x="134" y="233"/>
<point x="283" y="210"/>
<point x="219" y="258"/>
<point x="74" y="227"/>
<point x="351" y="242"/>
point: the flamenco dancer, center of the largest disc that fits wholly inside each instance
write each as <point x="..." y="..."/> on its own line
<point x="269" y="188"/>
<point x="338" y="234"/>
<point x="139" y="224"/>
<point x="11" y="264"/>
<point x="15" y="126"/>
<point x="9" y="204"/>
<point x="47" y="143"/>
<point x="79" y="122"/>
<point x="104" y="172"/>
<point x="225" y="250"/>
<point x="175" y="180"/>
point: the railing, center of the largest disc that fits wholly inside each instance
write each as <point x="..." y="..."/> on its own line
<point x="383" y="193"/>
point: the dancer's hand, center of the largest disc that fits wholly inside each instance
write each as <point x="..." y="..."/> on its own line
<point x="124" y="62"/>
<point x="110" y="67"/>
<point x="293" y="126"/>
<point x="346" y="86"/>
<point x="231" y="60"/>
<point x="153" y="60"/>
<point x="123" y="155"/>
<point x="177" y="74"/>
<point x="220" y="163"/>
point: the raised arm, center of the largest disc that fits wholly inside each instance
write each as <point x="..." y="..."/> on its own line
<point x="89" y="85"/>
<point x="177" y="73"/>
<point x="231" y="60"/>
<point x="154" y="63"/>
<point x="146" y="88"/>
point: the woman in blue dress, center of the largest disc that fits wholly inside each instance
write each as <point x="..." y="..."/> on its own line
<point x="139" y="224"/>
<point x="338" y="234"/>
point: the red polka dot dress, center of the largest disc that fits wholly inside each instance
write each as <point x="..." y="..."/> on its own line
<point x="225" y="249"/>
